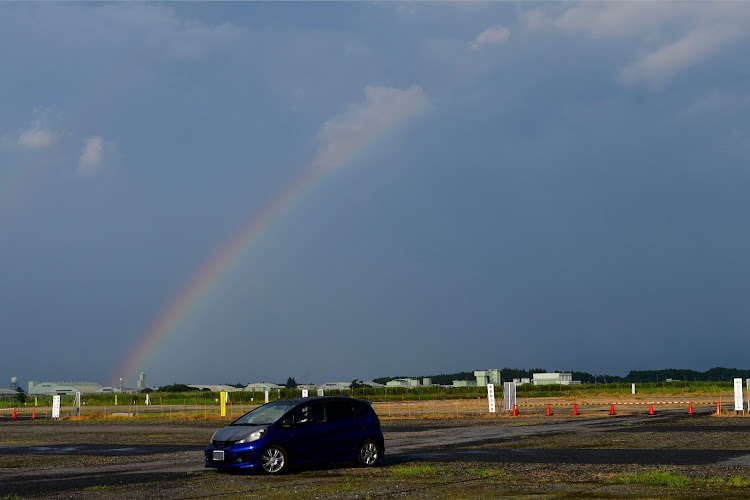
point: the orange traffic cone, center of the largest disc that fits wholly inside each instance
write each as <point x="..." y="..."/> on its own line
<point x="651" y="409"/>
<point x="515" y="412"/>
<point x="690" y="408"/>
<point x="575" y="409"/>
<point x="718" y="408"/>
<point x="14" y="414"/>
<point x="33" y="414"/>
<point x="612" y="409"/>
<point x="549" y="410"/>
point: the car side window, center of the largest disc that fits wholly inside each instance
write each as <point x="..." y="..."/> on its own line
<point x="288" y="420"/>
<point x="302" y="415"/>
<point x="319" y="414"/>
<point x="309" y="414"/>
<point x="340" y="410"/>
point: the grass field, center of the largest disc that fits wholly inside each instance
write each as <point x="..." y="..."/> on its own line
<point x="578" y="393"/>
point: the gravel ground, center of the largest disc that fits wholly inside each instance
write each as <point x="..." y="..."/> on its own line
<point x="633" y="455"/>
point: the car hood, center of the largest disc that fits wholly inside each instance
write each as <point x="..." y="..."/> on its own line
<point x="236" y="432"/>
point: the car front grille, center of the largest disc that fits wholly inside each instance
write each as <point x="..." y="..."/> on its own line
<point x="223" y="444"/>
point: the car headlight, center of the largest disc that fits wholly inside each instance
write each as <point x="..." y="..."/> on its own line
<point x="254" y="436"/>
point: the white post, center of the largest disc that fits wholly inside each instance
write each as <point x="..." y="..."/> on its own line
<point x="633" y="387"/>
<point x="304" y="393"/>
<point x="56" y="406"/>
<point x="739" y="404"/>
<point x="266" y="396"/>
<point x="509" y="395"/>
<point x="491" y="397"/>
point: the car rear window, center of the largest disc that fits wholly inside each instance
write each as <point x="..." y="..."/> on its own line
<point x="340" y="410"/>
<point x="360" y="409"/>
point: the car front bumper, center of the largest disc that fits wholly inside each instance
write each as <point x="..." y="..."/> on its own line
<point x="234" y="457"/>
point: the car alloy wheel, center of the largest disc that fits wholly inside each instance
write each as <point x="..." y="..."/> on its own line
<point x="273" y="460"/>
<point x="368" y="453"/>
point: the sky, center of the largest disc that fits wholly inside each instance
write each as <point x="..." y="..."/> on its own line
<point x="242" y="192"/>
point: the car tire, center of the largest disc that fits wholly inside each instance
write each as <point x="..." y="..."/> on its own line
<point x="368" y="454"/>
<point x="274" y="460"/>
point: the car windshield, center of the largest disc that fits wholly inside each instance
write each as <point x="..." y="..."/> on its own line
<point x="265" y="415"/>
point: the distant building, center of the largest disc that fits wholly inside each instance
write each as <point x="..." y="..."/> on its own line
<point x="403" y="382"/>
<point x="53" y="388"/>
<point x="262" y="387"/>
<point x="7" y="394"/>
<point x="464" y="383"/>
<point x="335" y="386"/>
<point x="521" y="381"/>
<point x="553" y="378"/>
<point x="485" y="377"/>
<point x="215" y="388"/>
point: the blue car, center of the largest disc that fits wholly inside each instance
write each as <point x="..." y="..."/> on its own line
<point x="299" y="431"/>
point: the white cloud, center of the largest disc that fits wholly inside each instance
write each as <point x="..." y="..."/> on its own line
<point x="36" y="137"/>
<point x="667" y="38"/>
<point x="660" y="66"/>
<point x="38" y="133"/>
<point x="491" y="36"/>
<point x="616" y="19"/>
<point x="534" y="19"/>
<point x="383" y="107"/>
<point x="91" y="157"/>
<point x="169" y="35"/>
<point x="715" y="101"/>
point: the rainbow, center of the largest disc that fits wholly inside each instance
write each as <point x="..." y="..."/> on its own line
<point x="206" y="279"/>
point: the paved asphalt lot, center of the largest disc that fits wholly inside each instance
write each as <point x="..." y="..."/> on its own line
<point x="38" y="458"/>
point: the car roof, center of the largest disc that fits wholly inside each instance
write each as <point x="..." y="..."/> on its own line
<point x="312" y="399"/>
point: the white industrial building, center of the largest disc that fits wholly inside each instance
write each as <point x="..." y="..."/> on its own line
<point x="215" y="388"/>
<point x="53" y="388"/>
<point x="553" y="379"/>
<point x="335" y="386"/>
<point x="485" y="377"/>
<point x="8" y="394"/>
<point x="262" y="387"/>
<point x="403" y="382"/>
<point x="464" y="383"/>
